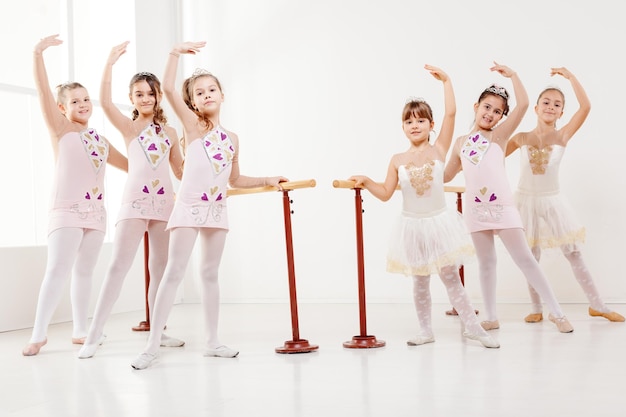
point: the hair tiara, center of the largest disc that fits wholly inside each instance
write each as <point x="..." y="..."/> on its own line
<point x="497" y="90"/>
<point x="413" y="99"/>
<point x="146" y="74"/>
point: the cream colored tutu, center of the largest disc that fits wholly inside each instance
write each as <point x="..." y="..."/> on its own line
<point x="424" y="245"/>
<point x="549" y="221"/>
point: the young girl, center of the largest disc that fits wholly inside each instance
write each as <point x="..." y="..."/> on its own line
<point x="547" y="217"/>
<point x="211" y="162"/>
<point x="77" y="217"/>
<point x="148" y="196"/>
<point x="489" y="207"/>
<point x="428" y="237"/>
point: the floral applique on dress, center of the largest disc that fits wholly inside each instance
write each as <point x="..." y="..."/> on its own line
<point x="538" y="159"/>
<point x="421" y="177"/>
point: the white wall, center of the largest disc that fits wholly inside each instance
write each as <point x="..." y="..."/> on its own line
<point x="315" y="90"/>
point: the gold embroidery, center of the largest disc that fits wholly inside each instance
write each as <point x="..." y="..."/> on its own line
<point x="538" y="159"/>
<point x="420" y="177"/>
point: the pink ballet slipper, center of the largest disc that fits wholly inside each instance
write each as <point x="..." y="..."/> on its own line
<point x="32" y="349"/>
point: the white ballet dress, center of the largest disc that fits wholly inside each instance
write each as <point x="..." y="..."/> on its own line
<point x="428" y="235"/>
<point x="548" y="218"/>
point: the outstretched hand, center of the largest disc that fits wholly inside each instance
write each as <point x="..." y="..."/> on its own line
<point x="116" y="52"/>
<point x="45" y="43"/>
<point x="562" y="71"/>
<point x="502" y="70"/>
<point x="438" y="73"/>
<point x="189" y="47"/>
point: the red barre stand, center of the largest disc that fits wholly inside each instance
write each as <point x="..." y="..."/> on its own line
<point x="363" y="340"/>
<point x="144" y="326"/>
<point x="296" y="345"/>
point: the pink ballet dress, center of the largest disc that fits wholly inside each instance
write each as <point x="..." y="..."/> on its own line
<point x="148" y="193"/>
<point x="77" y="198"/>
<point x="201" y="198"/>
<point x="488" y="200"/>
<point x="548" y="218"/>
<point x="428" y="235"/>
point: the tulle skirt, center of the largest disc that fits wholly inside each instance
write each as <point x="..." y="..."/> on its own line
<point x="549" y="221"/>
<point x="425" y="245"/>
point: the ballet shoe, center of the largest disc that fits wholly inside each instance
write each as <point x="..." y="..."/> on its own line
<point x="78" y="340"/>
<point x="421" y="340"/>
<point x="486" y="340"/>
<point x="221" y="351"/>
<point x="610" y="316"/>
<point x="88" y="350"/>
<point x="32" y="349"/>
<point x="562" y="324"/>
<point x="167" y="341"/>
<point x="490" y="325"/>
<point x="143" y="361"/>
<point x="533" y="318"/>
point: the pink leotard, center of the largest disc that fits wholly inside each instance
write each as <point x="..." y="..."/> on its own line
<point x="77" y="198"/>
<point x="148" y="193"/>
<point x="488" y="201"/>
<point x="201" y="199"/>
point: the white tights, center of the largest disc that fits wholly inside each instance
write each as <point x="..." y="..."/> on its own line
<point x="582" y="275"/>
<point x="72" y="252"/>
<point x="515" y="243"/>
<point x="182" y="240"/>
<point x="128" y="236"/>
<point x="457" y="296"/>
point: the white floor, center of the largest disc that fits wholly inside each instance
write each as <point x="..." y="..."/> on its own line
<point x="536" y="372"/>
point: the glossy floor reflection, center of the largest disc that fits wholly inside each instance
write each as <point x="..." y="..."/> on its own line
<point x="536" y="372"/>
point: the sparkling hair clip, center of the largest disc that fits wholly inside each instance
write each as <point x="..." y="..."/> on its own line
<point x="146" y="74"/>
<point x="496" y="89"/>
<point x="413" y="99"/>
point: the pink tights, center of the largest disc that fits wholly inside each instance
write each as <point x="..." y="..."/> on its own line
<point x="515" y="243"/>
<point x="182" y="241"/>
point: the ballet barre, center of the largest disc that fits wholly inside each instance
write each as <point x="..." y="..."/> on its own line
<point x="363" y="340"/>
<point x="296" y="344"/>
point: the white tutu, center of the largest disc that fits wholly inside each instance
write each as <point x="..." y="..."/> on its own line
<point x="549" y="221"/>
<point x="424" y="245"/>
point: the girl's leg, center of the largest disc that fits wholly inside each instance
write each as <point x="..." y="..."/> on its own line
<point x="212" y="241"/>
<point x="128" y="234"/>
<point x="535" y="315"/>
<point x="516" y="245"/>
<point x="461" y="303"/>
<point x="63" y="246"/>
<point x="82" y="280"/>
<point x="583" y="276"/>
<point x="487" y="263"/>
<point x="159" y="242"/>
<point x="423" y="308"/>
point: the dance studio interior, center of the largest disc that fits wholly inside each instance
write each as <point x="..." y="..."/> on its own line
<point x="314" y="91"/>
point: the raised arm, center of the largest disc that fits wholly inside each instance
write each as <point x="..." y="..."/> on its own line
<point x="382" y="191"/>
<point x="184" y="114"/>
<point x="115" y="116"/>
<point x="54" y="119"/>
<point x="584" y="105"/>
<point x="508" y="126"/>
<point x="447" y="126"/>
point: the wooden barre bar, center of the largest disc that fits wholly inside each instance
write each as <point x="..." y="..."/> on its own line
<point x="289" y="185"/>
<point x="350" y="184"/>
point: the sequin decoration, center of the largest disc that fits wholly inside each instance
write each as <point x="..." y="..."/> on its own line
<point x="538" y="159"/>
<point x="155" y="144"/>
<point x="219" y="149"/>
<point x="154" y="201"/>
<point x="487" y="208"/>
<point x="421" y="177"/>
<point x="97" y="149"/>
<point x="474" y="148"/>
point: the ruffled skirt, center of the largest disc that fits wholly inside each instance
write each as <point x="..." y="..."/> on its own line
<point x="549" y="221"/>
<point x="425" y="245"/>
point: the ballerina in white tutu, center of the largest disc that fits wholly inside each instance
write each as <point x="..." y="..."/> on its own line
<point x="547" y="217"/>
<point x="428" y="237"/>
